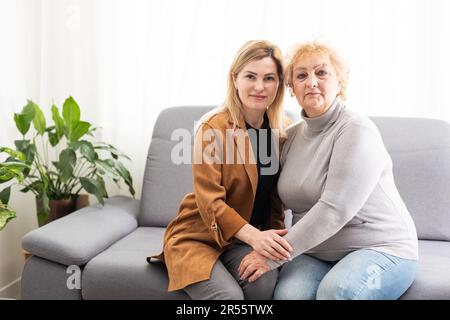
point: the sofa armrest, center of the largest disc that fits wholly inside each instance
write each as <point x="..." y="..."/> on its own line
<point x="78" y="237"/>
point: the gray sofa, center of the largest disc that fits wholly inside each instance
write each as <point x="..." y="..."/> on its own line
<point x="106" y="247"/>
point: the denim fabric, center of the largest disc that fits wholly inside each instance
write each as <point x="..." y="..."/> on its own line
<point x="361" y="275"/>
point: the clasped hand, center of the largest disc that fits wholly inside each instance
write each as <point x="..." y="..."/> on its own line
<point x="252" y="267"/>
<point x="271" y="244"/>
<point x="266" y="244"/>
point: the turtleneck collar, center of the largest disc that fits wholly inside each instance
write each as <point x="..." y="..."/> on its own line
<point x="320" y="123"/>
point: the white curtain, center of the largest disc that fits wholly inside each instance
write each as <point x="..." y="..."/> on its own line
<point x="124" y="61"/>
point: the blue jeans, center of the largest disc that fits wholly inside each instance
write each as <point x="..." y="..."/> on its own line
<point x="362" y="274"/>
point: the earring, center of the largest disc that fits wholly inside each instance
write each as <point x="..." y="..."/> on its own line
<point x="291" y="92"/>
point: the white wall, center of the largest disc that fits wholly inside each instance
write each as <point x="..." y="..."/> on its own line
<point x="125" y="60"/>
<point x="12" y="258"/>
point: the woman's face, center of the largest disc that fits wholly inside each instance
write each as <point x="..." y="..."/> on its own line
<point x="315" y="84"/>
<point x="257" y="84"/>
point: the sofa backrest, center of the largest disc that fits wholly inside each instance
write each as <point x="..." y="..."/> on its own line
<point x="165" y="182"/>
<point x="420" y="151"/>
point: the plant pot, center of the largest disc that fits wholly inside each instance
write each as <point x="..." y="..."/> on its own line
<point x="61" y="208"/>
<point x="82" y="201"/>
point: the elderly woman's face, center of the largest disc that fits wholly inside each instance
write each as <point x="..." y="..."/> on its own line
<point x="315" y="84"/>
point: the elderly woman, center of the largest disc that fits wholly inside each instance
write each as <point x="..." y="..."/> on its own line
<point x="234" y="207"/>
<point x="352" y="235"/>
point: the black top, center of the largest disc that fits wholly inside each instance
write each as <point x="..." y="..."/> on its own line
<point x="268" y="171"/>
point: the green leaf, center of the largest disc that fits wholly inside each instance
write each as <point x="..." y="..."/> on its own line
<point x="71" y="114"/>
<point x="42" y="217"/>
<point x="29" y="150"/>
<point x="23" y="119"/>
<point x="44" y="214"/>
<point x="16" y="154"/>
<point x="103" y="186"/>
<point x="105" y="167"/>
<point x="91" y="131"/>
<point x="59" y="122"/>
<point x="36" y="186"/>
<point x="116" y="181"/>
<point x="26" y="148"/>
<point x="6" y="175"/>
<point x="29" y="111"/>
<point x="16" y="166"/>
<point x="6" y="214"/>
<point x="39" y="119"/>
<point x="86" y="149"/>
<point x="67" y="160"/>
<point x="4" y="195"/>
<point x="93" y="187"/>
<point x="22" y="145"/>
<point x="53" y="138"/>
<point x="11" y="170"/>
<point x="79" y="130"/>
<point x="20" y="169"/>
<point x="22" y="125"/>
<point x="114" y="152"/>
<point x="43" y="176"/>
<point x="123" y="172"/>
<point x="53" y="135"/>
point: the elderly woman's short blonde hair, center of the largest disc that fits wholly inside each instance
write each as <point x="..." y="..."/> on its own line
<point x="307" y="49"/>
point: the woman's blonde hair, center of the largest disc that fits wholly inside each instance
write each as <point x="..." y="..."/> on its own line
<point x="251" y="51"/>
<point x="302" y="50"/>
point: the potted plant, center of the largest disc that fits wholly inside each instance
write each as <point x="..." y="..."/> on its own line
<point x="78" y="164"/>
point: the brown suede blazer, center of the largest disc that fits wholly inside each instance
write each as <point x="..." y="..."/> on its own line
<point x="221" y="204"/>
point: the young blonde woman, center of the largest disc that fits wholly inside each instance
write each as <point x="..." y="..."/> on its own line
<point x="234" y="208"/>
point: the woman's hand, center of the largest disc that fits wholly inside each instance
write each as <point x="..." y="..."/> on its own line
<point x="272" y="245"/>
<point x="269" y="243"/>
<point x="252" y="267"/>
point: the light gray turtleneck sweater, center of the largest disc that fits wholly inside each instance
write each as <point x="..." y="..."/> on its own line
<point x="337" y="179"/>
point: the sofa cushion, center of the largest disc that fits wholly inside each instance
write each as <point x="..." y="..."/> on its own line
<point x="79" y="236"/>
<point x="121" y="271"/>
<point x="420" y="151"/>
<point x="433" y="276"/>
